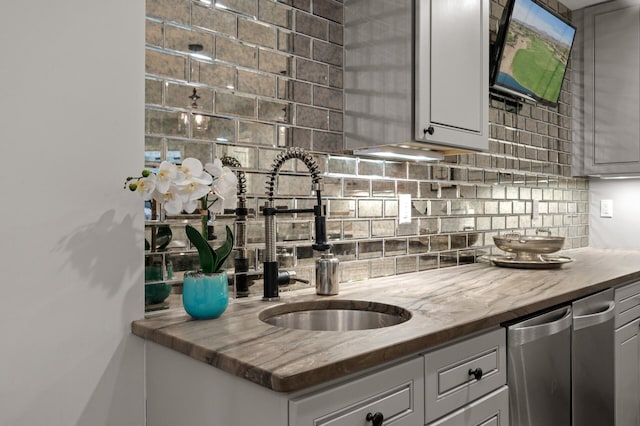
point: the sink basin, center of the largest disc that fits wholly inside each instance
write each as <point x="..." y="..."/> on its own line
<point x="334" y="315"/>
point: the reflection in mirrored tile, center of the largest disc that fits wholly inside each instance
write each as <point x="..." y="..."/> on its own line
<point x="235" y="52"/>
<point x="342" y="165"/>
<point x="428" y="226"/>
<point x="165" y="64"/>
<point x="294" y="185"/>
<point x="354" y="271"/>
<point x="370" y="167"/>
<point x="427" y="261"/>
<point x="185" y="40"/>
<point x="439" y="242"/>
<point x="179" y="150"/>
<point x="406" y="264"/>
<point x="334" y="230"/>
<point x="332" y="187"/>
<point x="246" y="156"/>
<point x="153" y="91"/>
<point x="153" y="150"/>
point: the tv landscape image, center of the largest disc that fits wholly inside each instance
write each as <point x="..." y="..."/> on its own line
<point x="535" y="53"/>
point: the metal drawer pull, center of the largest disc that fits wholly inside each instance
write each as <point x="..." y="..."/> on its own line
<point x="477" y="373"/>
<point x="375" y="419"/>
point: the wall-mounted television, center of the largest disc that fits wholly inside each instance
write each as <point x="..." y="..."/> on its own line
<point x="531" y="53"/>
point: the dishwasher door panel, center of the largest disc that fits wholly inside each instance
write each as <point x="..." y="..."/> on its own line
<point x="539" y="370"/>
<point x="592" y="355"/>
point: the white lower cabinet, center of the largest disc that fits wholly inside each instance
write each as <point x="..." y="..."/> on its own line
<point x="627" y="355"/>
<point x="460" y="384"/>
<point x="394" y="396"/>
<point x="490" y="410"/>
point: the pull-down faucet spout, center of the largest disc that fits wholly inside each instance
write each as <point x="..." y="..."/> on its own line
<point x="270" y="260"/>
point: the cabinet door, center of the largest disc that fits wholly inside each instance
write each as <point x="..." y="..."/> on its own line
<point x="627" y="355"/>
<point x="491" y="410"/>
<point x="396" y="393"/>
<point x="611" y="88"/>
<point x="452" y="57"/>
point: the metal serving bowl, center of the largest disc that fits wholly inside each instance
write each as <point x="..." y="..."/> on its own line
<point x="528" y="247"/>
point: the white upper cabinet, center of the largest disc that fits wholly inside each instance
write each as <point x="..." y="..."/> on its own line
<point x="607" y="129"/>
<point x="452" y="80"/>
<point x="416" y="74"/>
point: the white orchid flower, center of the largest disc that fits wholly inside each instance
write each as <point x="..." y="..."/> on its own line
<point x="171" y="200"/>
<point x="146" y="186"/>
<point x="167" y="174"/>
<point x="214" y="169"/>
<point x="192" y="171"/>
<point x="191" y="192"/>
<point x="225" y="188"/>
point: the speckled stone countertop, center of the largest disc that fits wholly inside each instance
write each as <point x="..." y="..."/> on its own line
<point x="445" y="304"/>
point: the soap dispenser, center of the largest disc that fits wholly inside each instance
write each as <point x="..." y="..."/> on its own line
<point x="327" y="275"/>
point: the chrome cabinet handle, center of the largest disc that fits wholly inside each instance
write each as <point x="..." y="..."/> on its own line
<point x="477" y="373"/>
<point x="375" y="419"/>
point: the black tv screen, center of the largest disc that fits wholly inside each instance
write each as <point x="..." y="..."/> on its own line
<point x="531" y="52"/>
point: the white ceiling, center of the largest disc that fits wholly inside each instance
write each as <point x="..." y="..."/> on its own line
<point x="579" y="4"/>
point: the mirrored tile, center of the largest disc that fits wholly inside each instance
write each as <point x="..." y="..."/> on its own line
<point x="178" y="150"/>
<point x="165" y="64"/>
<point x="170" y="10"/>
<point x="408" y="187"/>
<point x="181" y="96"/>
<point x="383" y="188"/>
<point x="342" y="208"/>
<point x="356" y="187"/>
<point x="327" y="142"/>
<point x="428" y="226"/>
<point x="153" y="30"/>
<point x="391" y="208"/>
<point x="292" y="185"/>
<point x="354" y="271"/>
<point x="213" y="74"/>
<point x="427" y="262"/>
<point x="332" y="187"/>
<point x="383" y="228"/>
<point x="369" y="249"/>
<point x="255" y="32"/>
<point x="274" y="111"/>
<point x="334" y="230"/>
<point x="246" y="156"/>
<point x="354" y="229"/>
<point x="228" y="103"/>
<point x="257" y="133"/>
<point x="311" y="25"/>
<point x="236" y="53"/>
<point x="153" y="91"/>
<point x="369" y="208"/>
<point x="214" y="19"/>
<point x="217" y="129"/>
<point x="439" y="242"/>
<point x="382" y="267"/>
<point x="295" y="91"/>
<point x="344" y="251"/>
<point x="274" y="13"/>
<point x="246" y="7"/>
<point x="183" y="39"/>
<point x="163" y="122"/>
<point x="293" y="231"/>
<point x="406" y="264"/>
<point x="312" y="71"/>
<point x="256" y="83"/>
<point x="418" y="245"/>
<point x="275" y="63"/>
<point x="429" y="190"/>
<point x="419" y="171"/>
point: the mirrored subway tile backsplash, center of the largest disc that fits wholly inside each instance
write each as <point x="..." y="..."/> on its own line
<point x="247" y="78"/>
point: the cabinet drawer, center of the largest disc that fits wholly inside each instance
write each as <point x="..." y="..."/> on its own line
<point x="491" y="410"/>
<point x="627" y="304"/>
<point x="449" y="384"/>
<point x="396" y="393"/>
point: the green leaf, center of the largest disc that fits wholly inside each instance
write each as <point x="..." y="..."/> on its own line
<point x="224" y="250"/>
<point x="208" y="258"/>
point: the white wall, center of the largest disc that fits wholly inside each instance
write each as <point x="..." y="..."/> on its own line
<point x="71" y="128"/>
<point x="623" y="229"/>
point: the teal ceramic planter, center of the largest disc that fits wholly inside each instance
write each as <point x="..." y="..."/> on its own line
<point x="205" y="296"/>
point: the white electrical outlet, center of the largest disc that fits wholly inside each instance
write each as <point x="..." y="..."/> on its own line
<point x="404" y="208"/>
<point x="606" y="208"/>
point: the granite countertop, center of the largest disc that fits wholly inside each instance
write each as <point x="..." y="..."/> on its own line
<point x="445" y="304"/>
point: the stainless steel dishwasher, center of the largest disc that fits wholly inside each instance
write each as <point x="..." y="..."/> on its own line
<point x="592" y="355"/>
<point x="539" y="370"/>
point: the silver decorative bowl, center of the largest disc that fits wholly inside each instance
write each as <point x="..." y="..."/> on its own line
<point x="528" y="248"/>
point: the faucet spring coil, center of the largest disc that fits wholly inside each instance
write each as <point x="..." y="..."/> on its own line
<point x="281" y="158"/>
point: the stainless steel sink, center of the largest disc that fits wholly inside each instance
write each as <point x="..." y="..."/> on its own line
<point x="334" y="315"/>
